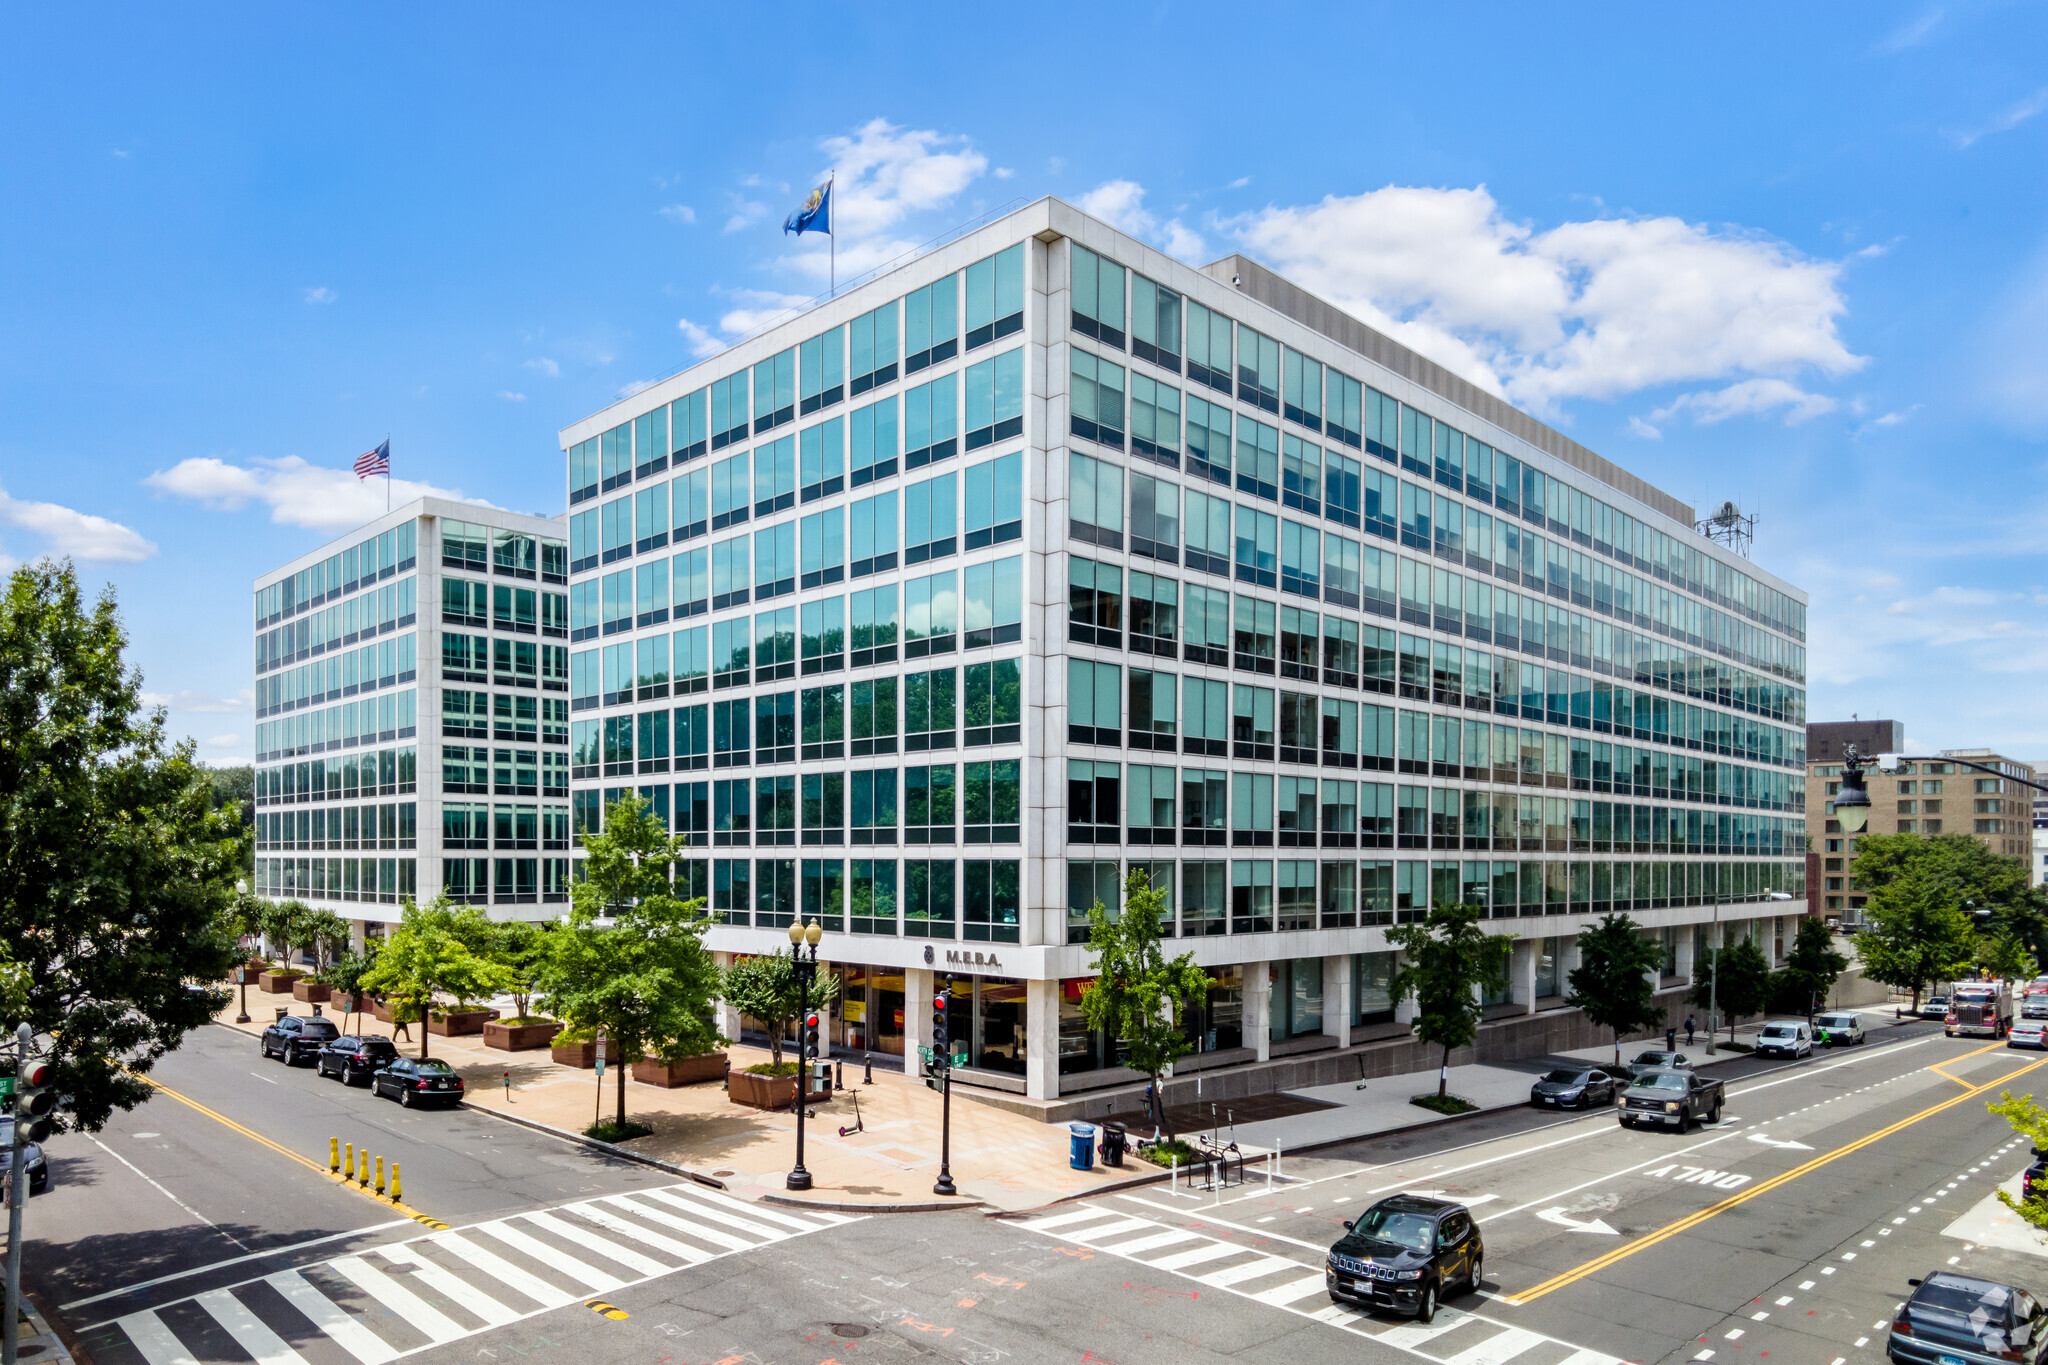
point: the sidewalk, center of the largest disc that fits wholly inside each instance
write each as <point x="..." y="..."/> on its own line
<point x="1004" y="1160"/>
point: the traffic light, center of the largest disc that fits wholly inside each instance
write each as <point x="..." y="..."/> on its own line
<point x="33" y="1100"/>
<point x="939" y="999"/>
<point x="811" y="1036"/>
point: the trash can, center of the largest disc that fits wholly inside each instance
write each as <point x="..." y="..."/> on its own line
<point x="1081" y="1146"/>
<point x="1114" y="1137"/>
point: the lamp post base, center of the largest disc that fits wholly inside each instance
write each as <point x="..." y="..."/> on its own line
<point x="945" y="1185"/>
<point x="799" y="1179"/>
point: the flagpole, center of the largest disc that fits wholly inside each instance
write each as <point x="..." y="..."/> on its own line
<point x="832" y="227"/>
<point x="387" y="475"/>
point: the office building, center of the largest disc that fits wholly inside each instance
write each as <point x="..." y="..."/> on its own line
<point x="412" y="717"/>
<point x="933" y="611"/>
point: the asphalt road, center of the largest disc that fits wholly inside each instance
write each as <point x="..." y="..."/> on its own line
<point x="1788" y="1231"/>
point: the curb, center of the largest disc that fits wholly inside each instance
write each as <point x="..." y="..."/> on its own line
<point x="833" y="1206"/>
<point x="47" y="1343"/>
<point x="608" y="1148"/>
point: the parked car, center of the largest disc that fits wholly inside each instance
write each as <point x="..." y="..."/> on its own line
<point x="1570" y="1088"/>
<point x="32" y="1159"/>
<point x="2034" y="1002"/>
<point x="1840" y="1030"/>
<point x="1402" y="1253"/>
<point x="413" y="1080"/>
<point x="1655" y="1060"/>
<point x="355" y="1059"/>
<point x="2031" y="1178"/>
<point x="293" y="1039"/>
<point x="1959" y="1320"/>
<point x="1675" y="1099"/>
<point x="1784" y="1038"/>
<point x="2028" y="1033"/>
<point x="1934" y="1007"/>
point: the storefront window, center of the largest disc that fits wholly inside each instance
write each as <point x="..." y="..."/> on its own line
<point x="850" y="1018"/>
<point x="1001" y="1013"/>
<point x="1546" y="967"/>
<point x="1372" y="987"/>
<point x="1216" y="1022"/>
<point x="1079" y="1044"/>
<point x="1297" y="997"/>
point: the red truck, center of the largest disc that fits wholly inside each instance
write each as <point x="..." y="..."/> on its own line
<point x="1980" y="1009"/>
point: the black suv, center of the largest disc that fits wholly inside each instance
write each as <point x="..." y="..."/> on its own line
<point x="354" y="1059"/>
<point x="1402" y="1253"/>
<point x="295" y="1039"/>
<point x="413" y="1081"/>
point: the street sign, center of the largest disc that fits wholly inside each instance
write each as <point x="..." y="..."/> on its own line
<point x="6" y="1087"/>
<point x="600" y="1055"/>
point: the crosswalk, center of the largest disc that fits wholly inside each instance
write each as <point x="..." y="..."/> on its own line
<point x="379" y="1305"/>
<point x="1295" y="1286"/>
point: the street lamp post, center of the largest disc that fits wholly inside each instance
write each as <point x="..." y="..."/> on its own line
<point x="242" y="972"/>
<point x="806" y="970"/>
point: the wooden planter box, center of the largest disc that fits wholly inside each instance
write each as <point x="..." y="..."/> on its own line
<point x="518" y="1037"/>
<point x="459" y="1023"/>
<point x="709" y="1066"/>
<point x="762" y="1092"/>
<point x="380" y="1011"/>
<point x="311" y="991"/>
<point x="277" y="982"/>
<point x="583" y="1054"/>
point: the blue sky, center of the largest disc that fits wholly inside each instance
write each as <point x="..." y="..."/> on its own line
<point x="1793" y="256"/>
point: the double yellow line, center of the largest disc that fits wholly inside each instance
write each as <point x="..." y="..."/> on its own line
<point x="1693" y="1220"/>
<point x="287" y="1152"/>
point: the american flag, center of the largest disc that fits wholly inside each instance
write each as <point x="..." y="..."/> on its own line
<point x="374" y="462"/>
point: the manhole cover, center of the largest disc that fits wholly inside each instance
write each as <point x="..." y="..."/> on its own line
<point x="848" y="1331"/>
<point x="724" y="1174"/>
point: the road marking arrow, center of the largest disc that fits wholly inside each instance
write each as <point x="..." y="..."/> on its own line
<point x="1773" y="1142"/>
<point x="1563" y="1220"/>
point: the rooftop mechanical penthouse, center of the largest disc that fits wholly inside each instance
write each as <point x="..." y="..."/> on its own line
<point x="934" y="611"/>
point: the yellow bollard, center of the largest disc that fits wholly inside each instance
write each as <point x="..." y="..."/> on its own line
<point x="348" y="1170"/>
<point x="363" y="1173"/>
<point x="394" y="1183"/>
<point x="333" y="1155"/>
<point x="380" y="1175"/>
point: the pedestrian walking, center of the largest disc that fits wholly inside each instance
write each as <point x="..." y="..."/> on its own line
<point x="399" y="1028"/>
<point x="1671" y="1040"/>
<point x="1688" y="1030"/>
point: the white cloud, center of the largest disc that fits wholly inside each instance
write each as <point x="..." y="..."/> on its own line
<point x="1638" y="427"/>
<point x="1913" y="32"/>
<point x="198" y="703"/>
<point x="678" y="213"/>
<point x="223" y="741"/>
<point x="760" y="307"/>
<point x="2006" y="119"/>
<point x="700" y="342"/>
<point x="1004" y="172"/>
<point x="636" y="386"/>
<point x="296" y="492"/>
<point x="79" y="535"/>
<point x="1589" y="309"/>
<point x="320" y="294"/>
<point x="543" y="365"/>
<point x="1750" y="397"/>
<point x="510" y="397"/>
<point x="884" y="175"/>
<point x="1239" y="183"/>
<point x="2013" y="347"/>
<point x="1121" y="204"/>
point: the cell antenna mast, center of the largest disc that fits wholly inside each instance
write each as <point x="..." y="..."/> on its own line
<point x="1728" y="526"/>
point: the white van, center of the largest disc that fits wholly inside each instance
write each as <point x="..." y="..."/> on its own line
<point x="1785" y="1038"/>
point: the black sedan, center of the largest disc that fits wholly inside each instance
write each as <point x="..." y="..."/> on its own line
<point x="355" y="1060"/>
<point x="1572" y="1089"/>
<point x="1402" y="1254"/>
<point x="294" y="1040"/>
<point x="412" y="1081"/>
<point x="1958" y="1320"/>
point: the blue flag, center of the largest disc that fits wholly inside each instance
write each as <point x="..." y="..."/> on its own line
<point x="815" y="215"/>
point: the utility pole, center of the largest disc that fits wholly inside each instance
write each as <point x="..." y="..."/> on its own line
<point x="17" y="1195"/>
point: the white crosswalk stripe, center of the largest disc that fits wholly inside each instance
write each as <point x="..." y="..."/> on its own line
<point x="378" y="1305"/>
<point x="1293" y="1286"/>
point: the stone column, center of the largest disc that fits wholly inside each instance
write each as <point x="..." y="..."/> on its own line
<point x="358" y="936"/>
<point x="1258" y="1007"/>
<point x="727" y="1018"/>
<point x="1337" y="998"/>
<point x="1041" y="1039"/>
<point x="1685" y="953"/>
<point x="917" y="1016"/>
<point x="1522" y="973"/>
<point x="1404" y="1008"/>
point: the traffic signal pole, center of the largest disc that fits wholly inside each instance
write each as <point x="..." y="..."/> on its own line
<point x="30" y="1101"/>
<point x="942" y="1062"/>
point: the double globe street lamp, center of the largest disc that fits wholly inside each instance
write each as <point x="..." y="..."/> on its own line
<point x="805" y="967"/>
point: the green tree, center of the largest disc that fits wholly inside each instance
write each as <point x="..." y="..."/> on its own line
<point x="345" y="976"/>
<point x="429" y="955"/>
<point x="1138" y="996"/>
<point x="1446" y="960"/>
<point x="325" y="933"/>
<point x="1735" y="980"/>
<point x="1917" y="932"/>
<point x="2029" y="1120"/>
<point x="764" y="988"/>
<point x="1612" y="982"/>
<point x="1814" y="964"/>
<point x="522" y="947"/>
<point x="276" y="922"/>
<point x="631" y="959"/>
<point x="117" y="872"/>
<point x="2003" y="956"/>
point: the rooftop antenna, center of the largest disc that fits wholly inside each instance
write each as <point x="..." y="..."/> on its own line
<point x="1729" y="527"/>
